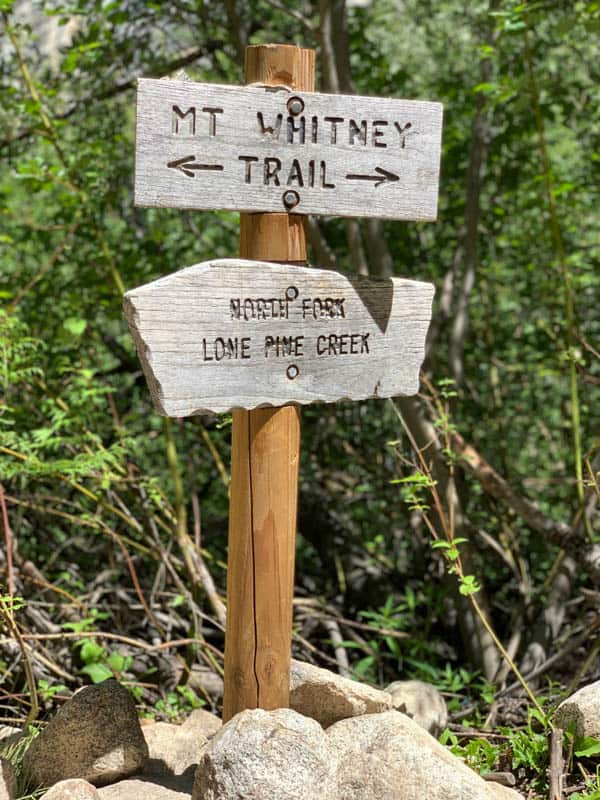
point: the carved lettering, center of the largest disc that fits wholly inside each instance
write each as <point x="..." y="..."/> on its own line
<point x="226" y="348"/>
<point x="324" y="184"/>
<point x="212" y="122"/>
<point x="295" y="176"/>
<point x="271" y="171"/>
<point x="402" y="132"/>
<point x="314" y="129"/>
<point x="251" y="308"/>
<point x="334" y="121"/>
<point x="323" y="308"/>
<point x="248" y="161"/>
<point x="357" y="130"/>
<point x="269" y="130"/>
<point x="334" y="344"/>
<point x="275" y="172"/>
<point x="178" y="118"/>
<point x="377" y="133"/>
<point x="293" y="128"/>
<point x="278" y="346"/>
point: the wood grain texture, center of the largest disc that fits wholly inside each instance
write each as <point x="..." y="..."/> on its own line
<point x="232" y="333"/>
<point x="260" y="574"/>
<point x="273" y="237"/>
<point x="209" y="146"/>
<point x="281" y="64"/>
<point x="265" y="463"/>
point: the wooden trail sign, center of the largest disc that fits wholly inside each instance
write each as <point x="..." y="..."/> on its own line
<point x="242" y="334"/>
<point x="276" y="149"/>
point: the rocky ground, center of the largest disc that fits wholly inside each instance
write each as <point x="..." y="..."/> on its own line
<point x="339" y="740"/>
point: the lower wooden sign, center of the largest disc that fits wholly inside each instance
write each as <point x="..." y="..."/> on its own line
<point x="231" y="333"/>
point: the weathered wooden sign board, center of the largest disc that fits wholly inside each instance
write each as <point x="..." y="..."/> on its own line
<point x="230" y="333"/>
<point x="207" y="146"/>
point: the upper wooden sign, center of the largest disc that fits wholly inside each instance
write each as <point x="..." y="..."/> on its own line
<point x="269" y="149"/>
<point x="241" y="334"/>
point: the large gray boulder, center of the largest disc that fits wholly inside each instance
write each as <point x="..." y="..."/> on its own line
<point x="327" y="697"/>
<point x="8" y="780"/>
<point x="279" y="755"/>
<point x="422" y="702"/>
<point x="72" y="789"/>
<point x="389" y="757"/>
<point x="581" y="711"/>
<point x="96" y="736"/>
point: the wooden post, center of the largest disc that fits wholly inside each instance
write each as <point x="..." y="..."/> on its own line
<point x="264" y="469"/>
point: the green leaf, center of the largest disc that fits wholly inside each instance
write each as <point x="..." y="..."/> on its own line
<point x="118" y="662"/>
<point x="468" y="585"/>
<point x="74" y="326"/>
<point x="587" y="747"/>
<point x="91" y="651"/>
<point x="97" y="672"/>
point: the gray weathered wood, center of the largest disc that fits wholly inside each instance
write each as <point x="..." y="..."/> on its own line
<point x="211" y="337"/>
<point x="240" y="148"/>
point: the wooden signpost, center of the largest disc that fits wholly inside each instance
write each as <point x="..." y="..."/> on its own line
<point x="260" y="337"/>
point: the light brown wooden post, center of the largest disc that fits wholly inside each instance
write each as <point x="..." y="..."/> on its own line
<point x="264" y="468"/>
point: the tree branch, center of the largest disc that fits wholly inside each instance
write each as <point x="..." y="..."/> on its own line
<point x="571" y="539"/>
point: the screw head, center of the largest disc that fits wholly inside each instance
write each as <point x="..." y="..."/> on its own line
<point x="290" y="199"/>
<point x="295" y="105"/>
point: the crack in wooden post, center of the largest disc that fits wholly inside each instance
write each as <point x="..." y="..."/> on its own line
<point x="264" y="473"/>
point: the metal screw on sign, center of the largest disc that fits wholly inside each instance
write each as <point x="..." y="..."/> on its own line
<point x="291" y="199"/>
<point x="295" y="105"/>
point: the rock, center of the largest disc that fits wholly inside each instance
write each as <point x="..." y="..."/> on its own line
<point x="581" y="711"/>
<point x="8" y="732"/>
<point x="327" y="697"/>
<point x="8" y="780"/>
<point x="279" y="755"/>
<point x="96" y="736"/>
<point x="141" y="789"/>
<point x="174" y="750"/>
<point x="9" y="736"/>
<point x="171" y="749"/>
<point x="389" y="757"/>
<point x="72" y="789"/>
<point x="500" y="792"/>
<point x="202" y="722"/>
<point x="422" y="702"/>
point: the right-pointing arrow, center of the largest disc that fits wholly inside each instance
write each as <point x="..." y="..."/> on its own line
<point x="383" y="176"/>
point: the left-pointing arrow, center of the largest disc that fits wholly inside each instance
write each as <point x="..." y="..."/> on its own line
<point x="187" y="165"/>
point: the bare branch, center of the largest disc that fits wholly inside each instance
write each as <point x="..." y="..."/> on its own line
<point x="559" y="533"/>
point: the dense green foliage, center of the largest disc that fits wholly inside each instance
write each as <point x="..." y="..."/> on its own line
<point x="89" y="472"/>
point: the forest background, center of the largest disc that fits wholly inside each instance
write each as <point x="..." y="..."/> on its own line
<point x="438" y="535"/>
